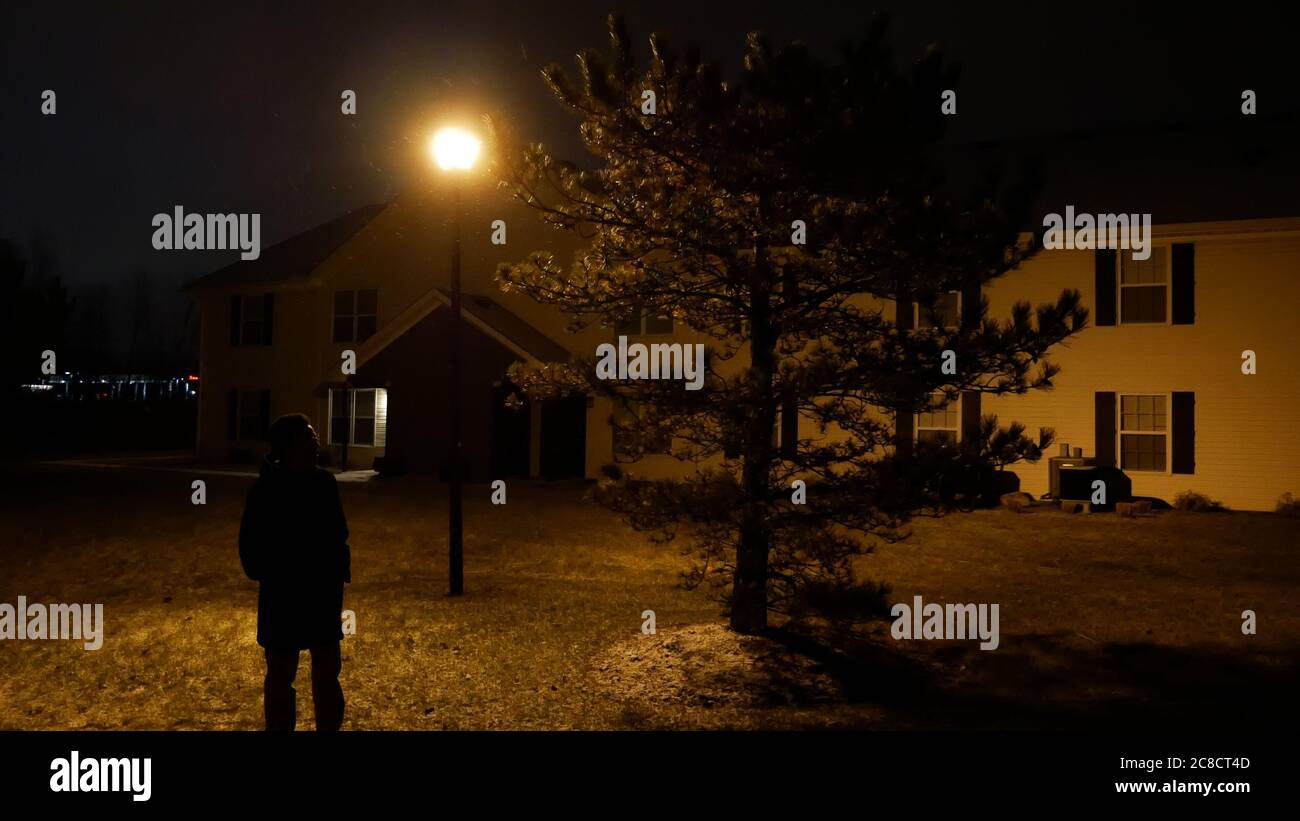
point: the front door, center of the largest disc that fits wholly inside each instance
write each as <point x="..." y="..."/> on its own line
<point x="511" y="433"/>
<point x="564" y="438"/>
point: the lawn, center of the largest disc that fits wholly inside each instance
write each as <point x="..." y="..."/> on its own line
<point x="1104" y="621"/>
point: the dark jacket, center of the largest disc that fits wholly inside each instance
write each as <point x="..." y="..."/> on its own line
<point x="294" y="540"/>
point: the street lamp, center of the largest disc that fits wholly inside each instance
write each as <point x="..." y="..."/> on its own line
<point x="455" y="151"/>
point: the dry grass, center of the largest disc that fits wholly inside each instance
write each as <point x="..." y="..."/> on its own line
<point x="1101" y="617"/>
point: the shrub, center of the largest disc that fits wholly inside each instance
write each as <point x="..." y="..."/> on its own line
<point x="1288" y="505"/>
<point x="1015" y="504"/>
<point x="1194" y="502"/>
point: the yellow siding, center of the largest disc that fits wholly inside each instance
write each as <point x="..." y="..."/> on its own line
<point x="286" y="367"/>
<point x="1247" y="283"/>
<point x="1247" y="452"/>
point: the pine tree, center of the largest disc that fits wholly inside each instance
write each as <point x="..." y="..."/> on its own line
<point x="690" y="212"/>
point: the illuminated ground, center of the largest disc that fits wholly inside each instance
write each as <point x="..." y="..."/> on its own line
<point x="1103" y="620"/>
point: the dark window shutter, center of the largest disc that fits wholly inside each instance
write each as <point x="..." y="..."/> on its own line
<point x="1184" y="296"/>
<point x="1104" y="299"/>
<point x="903" y="315"/>
<point x="236" y="319"/>
<point x="970" y="306"/>
<point x="232" y="415"/>
<point x="970" y="414"/>
<point x="904" y="420"/>
<point x="1184" y="432"/>
<point x="789" y="427"/>
<point x="1104" y="415"/>
<point x="268" y="317"/>
<point x="265" y="415"/>
<point x="904" y="428"/>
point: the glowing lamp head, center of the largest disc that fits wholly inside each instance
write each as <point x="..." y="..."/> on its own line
<point x="454" y="149"/>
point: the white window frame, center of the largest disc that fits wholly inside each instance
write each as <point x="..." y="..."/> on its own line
<point x="380" y="438"/>
<point x="620" y="449"/>
<point x="916" y="315"/>
<point x="356" y="314"/>
<point x="1167" y="433"/>
<point x="642" y="322"/>
<point x="917" y="427"/>
<point x="1168" y="284"/>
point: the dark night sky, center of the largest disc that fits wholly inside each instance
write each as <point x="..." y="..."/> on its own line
<point x="235" y="107"/>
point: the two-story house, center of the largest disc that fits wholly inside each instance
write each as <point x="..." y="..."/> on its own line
<point x="346" y="323"/>
<point x="1185" y="378"/>
<point x="1154" y="386"/>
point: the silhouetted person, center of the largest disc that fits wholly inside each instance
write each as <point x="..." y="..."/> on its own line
<point x="293" y="541"/>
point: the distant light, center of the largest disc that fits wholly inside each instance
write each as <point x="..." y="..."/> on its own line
<point x="454" y="149"/>
<point x="192" y="378"/>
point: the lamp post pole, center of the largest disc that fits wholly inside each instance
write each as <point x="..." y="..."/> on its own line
<point x="455" y="151"/>
<point x="455" y="536"/>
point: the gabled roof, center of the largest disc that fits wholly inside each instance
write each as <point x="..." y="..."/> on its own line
<point x="521" y="336"/>
<point x="482" y="312"/>
<point x="294" y="258"/>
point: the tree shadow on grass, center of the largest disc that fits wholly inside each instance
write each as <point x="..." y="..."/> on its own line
<point x="1041" y="682"/>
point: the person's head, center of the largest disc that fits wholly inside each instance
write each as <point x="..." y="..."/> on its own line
<point x="293" y="442"/>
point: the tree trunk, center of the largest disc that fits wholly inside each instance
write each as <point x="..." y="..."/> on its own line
<point x="749" y="586"/>
<point x="904" y="412"/>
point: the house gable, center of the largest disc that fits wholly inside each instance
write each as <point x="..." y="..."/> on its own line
<point x="292" y="261"/>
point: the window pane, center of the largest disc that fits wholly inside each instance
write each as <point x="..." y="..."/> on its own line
<point x="338" y="428"/>
<point x="661" y="443"/>
<point x="1144" y="271"/>
<point x="658" y="324"/>
<point x="936" y="436"/>
<point x="1143" y="304"/>
<point x="945" y="314"/>
<point x="252" y="308"/>
<point x="338" y="415"/>
<point x="342" y="329"/>
<point x="367" y="301"/>
<point x="1143" y="413"/>
<point x="622" y="442"/>
<point x="364" y="402"/>
<point x="250" y="414"/>
<point x="252" y="332"/>
<point x="1139" y="452"/>
<point x="365" y="327"/>
<point x="944" y="418"/>
<point x="628" y="327"/>
<point x="343" y="303"/>
<point x="1132" y="272"/>
<point x="950" y="310"/>
<point x="364" y="431"/>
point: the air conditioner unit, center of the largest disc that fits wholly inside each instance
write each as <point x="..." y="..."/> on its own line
<point x="1054" y="465"/>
